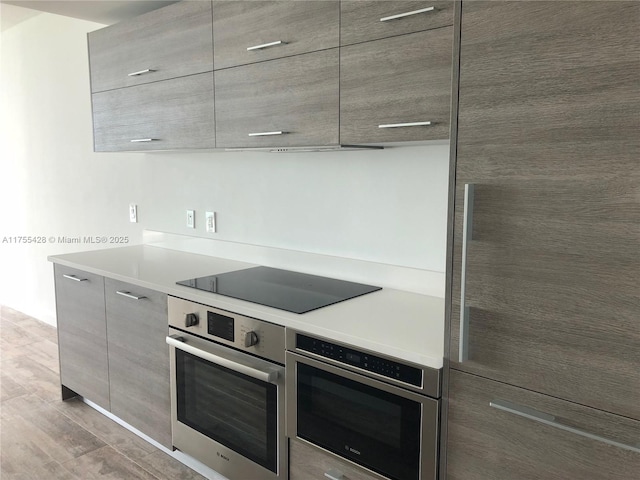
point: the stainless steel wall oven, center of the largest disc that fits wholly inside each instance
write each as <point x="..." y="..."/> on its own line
<point x="374" y="411"/>
<point x="227" y="387"/>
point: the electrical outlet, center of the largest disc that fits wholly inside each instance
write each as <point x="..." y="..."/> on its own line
<point x="211" y="221"/>
<point x="191" y="219"/>
<point x="133" y="213"/>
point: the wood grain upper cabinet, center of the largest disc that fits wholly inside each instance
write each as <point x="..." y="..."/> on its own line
<point x="139" y="358"/>
<point x="548" y="135"/>
<point x="502" y="432"/>
<point x="82" y="334"/>
<point x="254" y="31"/>
<point x="365" y="20"/>
<point x="171" y="114"/>
<point x="396" y="89"/>
<point x="170" y="42"/>
<point x="285" y="102"/>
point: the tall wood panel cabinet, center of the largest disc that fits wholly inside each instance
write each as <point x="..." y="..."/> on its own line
<point x="544" y="317"/>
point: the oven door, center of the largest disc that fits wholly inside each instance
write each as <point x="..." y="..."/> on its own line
<point x="386" y="429"/>
<point x="227" y="408"/>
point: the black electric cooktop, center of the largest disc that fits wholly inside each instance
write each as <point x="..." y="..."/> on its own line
<point x="291" y="291"/>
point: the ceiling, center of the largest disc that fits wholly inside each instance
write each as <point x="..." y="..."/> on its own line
<point x="106" y="12"/>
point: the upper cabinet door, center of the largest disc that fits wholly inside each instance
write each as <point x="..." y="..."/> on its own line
<point x="168" y="115"/>
<point x="280" y="103"/>
<point x="364" y="20"/>
<point x="169" y="42"/>
<point x="396" y="89"/>
<point x="254" y="31"/>
<point x="548" y="135"/>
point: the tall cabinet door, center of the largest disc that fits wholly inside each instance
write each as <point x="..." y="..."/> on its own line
<point x="548" y="142"/>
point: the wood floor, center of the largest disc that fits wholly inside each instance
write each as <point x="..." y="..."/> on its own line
<point x="42" y="437"/>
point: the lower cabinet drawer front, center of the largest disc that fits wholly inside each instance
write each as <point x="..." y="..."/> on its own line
<point x="485" y="442"/>
<point x="139" y="358"/>
<point x="307" y="462"/>
<point x="169" y="114"/>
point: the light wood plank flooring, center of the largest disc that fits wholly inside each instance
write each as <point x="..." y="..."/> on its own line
<point x="42" y="437"/>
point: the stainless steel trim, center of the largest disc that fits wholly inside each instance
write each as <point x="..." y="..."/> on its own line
<point x="266" y="45"/>
<point x="178" y="342"/>
<point x="264" y="134"/>
<point x="407" y="14"/>
<point x="430" y="409"/>
<point x="137" y="140"/>
<point x="407" y="124"/>
<point x="140" y="72"/>
<point x="334" y="474"/>
<point x="431" y="377"/>
<point x="74" y="278"/>
<point x="130" y="295"/>
<point x="550" y="420"/>
<point x="467" y="236"/>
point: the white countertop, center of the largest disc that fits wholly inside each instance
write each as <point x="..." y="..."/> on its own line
<point x="408" y="326"/>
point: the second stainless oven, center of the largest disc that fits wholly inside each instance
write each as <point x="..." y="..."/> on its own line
<point x="227" y="388"/>
<point x="379" y="413"/>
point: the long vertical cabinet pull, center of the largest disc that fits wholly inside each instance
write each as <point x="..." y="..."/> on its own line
<point x="467" y="233"/>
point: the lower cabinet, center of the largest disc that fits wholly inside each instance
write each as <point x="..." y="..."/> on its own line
<point x="307" y="462"/>
<point x="170" y="114"/>
<point x="82" y="334"/>
<point x="139" y="358"/>
<point x="111" y="341"/>
<point x="500" y="432"/>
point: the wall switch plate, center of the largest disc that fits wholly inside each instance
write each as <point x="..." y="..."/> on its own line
<point x="191" y="218"/>
<point x="133" y="213"/>
<point x="211" y="221"/>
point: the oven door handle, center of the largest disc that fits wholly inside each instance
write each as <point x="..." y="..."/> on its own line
<point x="178" y="342"/>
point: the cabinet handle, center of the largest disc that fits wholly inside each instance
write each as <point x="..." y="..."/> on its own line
<point x="179" y="342"/>
<point x="74" y="278"/>
<point x="266" y="45"/>
<point x="334" y="474"/>
<point x="409" y="124"/>
<point x="140" y="72"/>
<point x="264" y="134"/>
<point x="407" y="14"/>
<point x="130" y="295"/>
<point x="138" y="140"/>
<point x="550" y="420"/>
<point x="467" y="236"/>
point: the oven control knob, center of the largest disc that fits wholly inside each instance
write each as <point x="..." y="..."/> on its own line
<point x="250" y="339"/>
<point x="190" y="319"/>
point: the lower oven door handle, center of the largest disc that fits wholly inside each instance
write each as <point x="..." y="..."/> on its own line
<point x="178" y="342"/>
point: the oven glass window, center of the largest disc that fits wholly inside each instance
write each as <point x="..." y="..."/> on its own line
<point x="231" y="408"/>
<point x="376" y="429"/>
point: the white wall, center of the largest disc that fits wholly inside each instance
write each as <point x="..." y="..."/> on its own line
<point x="51" y="183"/>
<point x="385" y="206"/>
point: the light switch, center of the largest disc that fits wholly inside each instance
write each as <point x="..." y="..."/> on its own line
<point x="133" y="213"/>
<point x="191" y="218"/>
<point x="211" y="221"/>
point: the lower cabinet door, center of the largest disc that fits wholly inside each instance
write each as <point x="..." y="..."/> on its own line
<point x="165" y="115"/>
<point x="500" y="432"/>
<point x="307" y="462"/>
<point x="139" y="358"/>
<point x="82" y="334"/>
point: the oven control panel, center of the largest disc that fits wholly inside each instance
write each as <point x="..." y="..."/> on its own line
<point x="251" y="335"/>
<point x="362" y="360"/>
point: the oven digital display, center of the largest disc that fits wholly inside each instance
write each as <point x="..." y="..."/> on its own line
<point x="220" y="326"/>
